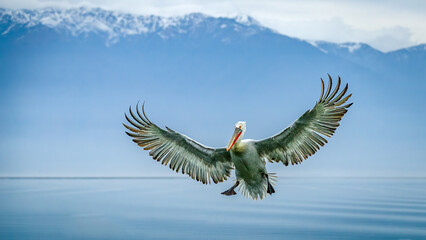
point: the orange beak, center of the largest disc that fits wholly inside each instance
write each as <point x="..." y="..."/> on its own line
<point x="234" y="138"/>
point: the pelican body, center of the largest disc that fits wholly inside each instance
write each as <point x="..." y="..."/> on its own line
<point x="248" y="157"/>
<point x="250" y="169"/>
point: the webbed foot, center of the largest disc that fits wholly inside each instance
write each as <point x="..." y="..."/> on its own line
<point x="270" y="188"/>
<point x="231" y="191"/>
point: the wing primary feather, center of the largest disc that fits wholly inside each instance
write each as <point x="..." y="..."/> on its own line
<point x="343" y="100"/>
<point x="347" y="105"/>
<point x="322" y="91"/>
<point x="139" y="114"/>
<point x="131" y="122"/>
<point x="335" y="90"/>
<point x="143" y="111"/>
<point x="341" y="94"/>
<point x="132" y="135"/>
<point x="131" y="129"/>
<point x="330" y="83"/>
<point x="136" y="118"/>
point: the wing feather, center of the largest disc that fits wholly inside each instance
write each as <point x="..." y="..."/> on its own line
<point x="305" y="136"/>
<point x="178" y="151"/>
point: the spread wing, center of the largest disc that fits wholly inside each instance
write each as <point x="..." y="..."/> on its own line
<point x="305" y="136"/>
<point x="179" y="151"/>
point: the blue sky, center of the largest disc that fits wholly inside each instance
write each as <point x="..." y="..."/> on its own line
<point x="63" y="98"/>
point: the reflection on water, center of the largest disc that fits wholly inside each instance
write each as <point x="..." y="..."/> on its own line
<point x="315" y="208"/>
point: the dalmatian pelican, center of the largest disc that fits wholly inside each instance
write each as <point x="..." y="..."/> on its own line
<point x="205" y="164"/>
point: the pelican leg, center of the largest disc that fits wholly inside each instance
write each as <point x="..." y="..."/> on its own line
<point x="270" y="188"/>
<point x="231" y="191"/>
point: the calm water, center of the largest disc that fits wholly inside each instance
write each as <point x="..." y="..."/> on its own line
<point x="184" y="209"/>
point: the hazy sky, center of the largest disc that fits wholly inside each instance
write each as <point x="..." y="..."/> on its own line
<point x="62" y="96"/>
<point x="385" y="25"/>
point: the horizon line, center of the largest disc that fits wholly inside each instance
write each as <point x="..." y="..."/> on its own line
<point x="184" y="177"/>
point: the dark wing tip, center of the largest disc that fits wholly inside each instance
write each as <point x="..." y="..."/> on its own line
<point x="348" y="105"/>
<point x="169" y="129"/>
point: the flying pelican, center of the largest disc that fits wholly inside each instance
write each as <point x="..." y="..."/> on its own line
<point x="205" y="164"/>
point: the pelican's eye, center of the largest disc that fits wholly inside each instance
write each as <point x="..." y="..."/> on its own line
<point x="239" y="127"/>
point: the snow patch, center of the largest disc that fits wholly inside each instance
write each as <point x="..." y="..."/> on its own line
<point x="315" y="44"/>
<point x="244" y="19"/>
<point x="352" y="47"/>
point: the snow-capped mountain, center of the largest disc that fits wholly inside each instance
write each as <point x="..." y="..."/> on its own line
<point x="111" y="27"/>
<point x="343" y="48"/>
<point x="117" y="25"/>
<point x="241" y="35"/>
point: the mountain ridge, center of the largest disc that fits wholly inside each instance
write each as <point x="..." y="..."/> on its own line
<point x="117" y="25"/>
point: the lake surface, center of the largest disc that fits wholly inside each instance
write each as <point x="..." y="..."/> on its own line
<point x="313" y="208"/>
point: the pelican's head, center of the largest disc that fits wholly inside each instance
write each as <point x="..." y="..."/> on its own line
<point x="240" y="129"/>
